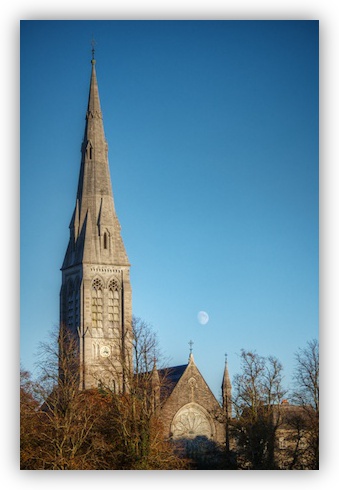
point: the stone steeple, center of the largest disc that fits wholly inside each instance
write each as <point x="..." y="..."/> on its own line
<point x="96" y="297"/>
<point x="94" y="228"/>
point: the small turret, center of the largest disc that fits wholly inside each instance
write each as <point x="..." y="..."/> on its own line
<point x="227" y="402"/>
<point x="227" y="391"/>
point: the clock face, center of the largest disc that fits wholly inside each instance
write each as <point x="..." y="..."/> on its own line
<point x="105" y="351"/>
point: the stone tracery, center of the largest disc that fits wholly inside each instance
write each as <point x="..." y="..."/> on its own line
<point x="191" y="421"/>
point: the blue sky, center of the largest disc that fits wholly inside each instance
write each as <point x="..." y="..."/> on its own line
<point x="212" y="129"/>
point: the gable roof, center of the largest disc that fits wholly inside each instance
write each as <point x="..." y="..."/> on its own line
<point x="169" y="378"/>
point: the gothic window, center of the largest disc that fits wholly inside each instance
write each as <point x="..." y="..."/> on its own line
<point x="97" y="303"/>
<point x="95" y="350"/>
<point x="110" y="306"/>
<point x="105" y="240"/>
<point x="77" y="304"/>
<point x="89" y="150"/>
<point x="70" y="304"/>
<point x="107" y="382"/>
<point x="113" y="303"/>
<point x="191" y="421"/>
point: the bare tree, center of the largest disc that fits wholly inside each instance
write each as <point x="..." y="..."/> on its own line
<point x="306" y="376"/>
<point x="258" y="393"/>
<point x="138" y="432"/>
<point x="64" y="427"/>
<point x="306" y="395"/>
<point x="29" y="408"/>
<point x="145" y="346"/>
<point x="294" y="429"/>
<point x="67" y="416"/>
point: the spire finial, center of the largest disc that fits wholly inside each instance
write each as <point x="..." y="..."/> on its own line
<point x="191" y="346"/>
<point x="225" y="358"/>
<point x="93" y="43"/>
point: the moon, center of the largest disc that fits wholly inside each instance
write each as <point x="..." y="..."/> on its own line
<point x="203" y="317"/>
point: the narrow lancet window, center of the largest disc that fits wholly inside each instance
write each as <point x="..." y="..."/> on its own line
<point x="97" y="303"/>
<point x="77" y="304"/>
<point x="70" y="304"/>
<point x="89" y="150"/>
<point x="113" y="303"/>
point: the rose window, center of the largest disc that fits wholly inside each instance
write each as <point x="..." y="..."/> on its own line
<point x="191" y="422"/>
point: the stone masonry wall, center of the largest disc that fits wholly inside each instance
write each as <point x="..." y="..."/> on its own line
<point x="193" y="388"/>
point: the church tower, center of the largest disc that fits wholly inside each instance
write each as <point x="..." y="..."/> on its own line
<point x="96" y="296"/>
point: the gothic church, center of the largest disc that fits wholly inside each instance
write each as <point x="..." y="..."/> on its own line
<point x="96" y="300"/>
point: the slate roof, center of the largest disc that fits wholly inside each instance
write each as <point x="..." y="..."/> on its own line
<point x="169" y="378"/>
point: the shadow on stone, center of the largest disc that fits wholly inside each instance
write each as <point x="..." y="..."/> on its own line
<point x="204" y="454"/>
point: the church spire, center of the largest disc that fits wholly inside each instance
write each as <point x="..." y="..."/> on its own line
<point x="94" y="194"/>
<point x="94" y="110"/>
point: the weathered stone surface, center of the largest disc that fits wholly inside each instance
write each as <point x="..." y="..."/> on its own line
<point x="191" y="409"/>
<point x="96" y="294"/>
